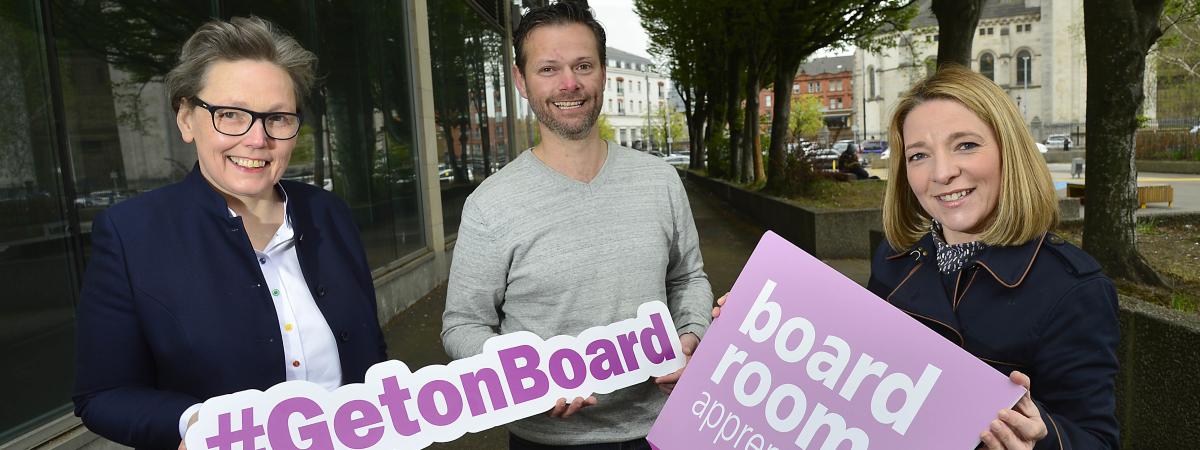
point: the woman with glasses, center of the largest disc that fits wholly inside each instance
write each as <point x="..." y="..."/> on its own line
<point x="230" y="279"/>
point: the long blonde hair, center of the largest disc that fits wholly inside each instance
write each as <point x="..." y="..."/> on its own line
<point x="1027" y="206"/>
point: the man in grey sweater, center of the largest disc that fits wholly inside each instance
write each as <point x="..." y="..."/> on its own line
<point x="575" y="233"/>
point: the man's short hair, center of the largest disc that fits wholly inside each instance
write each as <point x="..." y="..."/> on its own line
<point x="564" y="12"/>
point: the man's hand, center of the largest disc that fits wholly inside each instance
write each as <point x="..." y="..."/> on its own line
<point x="563" y="410"/>
<point x="666" y="383"/>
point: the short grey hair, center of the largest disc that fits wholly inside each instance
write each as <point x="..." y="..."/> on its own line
<point x="241" y="38"/>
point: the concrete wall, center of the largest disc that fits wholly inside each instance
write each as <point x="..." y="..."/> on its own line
<point x="826" y="234"/>
<point x="1158" y="387"/>
<point x="1192" y="167"/>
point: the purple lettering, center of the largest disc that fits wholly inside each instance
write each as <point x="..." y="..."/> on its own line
<point x="279" y="434"/>
<point x="393" y="399"/>
<point x="226" y="436"/>
<point x="517" y="374"/>
<point x="558" y="372"/>
<point x="658" y="333"/>
<point x="626" y="342"/>
<point x="346" y="425"/>
<point x="471" y="388"/>
<point x="427" y="404"/>
<point x="606" y="363"/>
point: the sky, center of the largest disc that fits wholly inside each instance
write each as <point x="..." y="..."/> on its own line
<point x="623" y="28"/>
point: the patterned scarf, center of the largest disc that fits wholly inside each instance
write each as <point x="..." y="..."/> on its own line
<point x="952" y="258"/>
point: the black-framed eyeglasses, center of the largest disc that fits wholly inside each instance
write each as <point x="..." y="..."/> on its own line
<point x="234" y="121"/>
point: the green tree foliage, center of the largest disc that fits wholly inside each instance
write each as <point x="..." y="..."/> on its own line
<point x="607" y="132"/>
<point x="1178" y="63"/>
<point x="806" y="119"/>
<point x="662" y="120"/>
<point x="722" y="52"/>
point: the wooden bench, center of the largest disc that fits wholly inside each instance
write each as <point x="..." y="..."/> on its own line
<point x="1154" y="193"/>
<point x="1157" y="193"/>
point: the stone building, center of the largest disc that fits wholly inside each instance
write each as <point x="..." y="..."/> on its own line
<point x="1033" y="49"/>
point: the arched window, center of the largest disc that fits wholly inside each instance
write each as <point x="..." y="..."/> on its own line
<point x="987" y="66"/>
<point x="871" y="80"/>
<point x="1024" y="68"/>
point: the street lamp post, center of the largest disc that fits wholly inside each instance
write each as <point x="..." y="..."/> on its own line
<point x="1024" y="109"/>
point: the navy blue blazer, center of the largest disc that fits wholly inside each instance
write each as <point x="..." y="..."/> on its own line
<point x="1044" y="308"/>
<point x="174" y="308"/>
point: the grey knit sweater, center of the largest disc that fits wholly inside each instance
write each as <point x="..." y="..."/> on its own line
<point x="542" y="252"/>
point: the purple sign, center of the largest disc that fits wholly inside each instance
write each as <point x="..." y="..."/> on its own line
<point x="803" y="357"/>
<point x="517" y="375"/>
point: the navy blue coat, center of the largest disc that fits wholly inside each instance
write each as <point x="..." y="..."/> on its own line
<point x="1044" y="308"/>
<point x="174" y="308"/>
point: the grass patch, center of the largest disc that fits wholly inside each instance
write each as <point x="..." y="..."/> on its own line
<point x="1172" y="249"/>
<point x="830" y="194"/>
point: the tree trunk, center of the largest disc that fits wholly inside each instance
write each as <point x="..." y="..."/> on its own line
<point x="957" y="20"/>
<point x="1118" y="36"/>
<point x="752" y="166"/>
<point x="695" y="137"/>
<point x="785" y="72"/>
<point x="732" y="104"/>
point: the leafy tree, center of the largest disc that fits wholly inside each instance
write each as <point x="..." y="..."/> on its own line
<point x="664" y="119"/>
<point x="799" y="29"/>
<point x="607" y="132"/>
<point x="806" y="118"/>
<point x="1118" y="34"/>
<point x="1178" y="65"/>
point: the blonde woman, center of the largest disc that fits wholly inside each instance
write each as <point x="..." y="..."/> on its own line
<point x="968" y="212"/>
<point x="969" y="253"/>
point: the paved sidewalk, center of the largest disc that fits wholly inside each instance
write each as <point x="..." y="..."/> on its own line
<point x="726" y="241"/>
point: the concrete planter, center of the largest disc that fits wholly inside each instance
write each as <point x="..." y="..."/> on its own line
<point x="1158" y="387"/>
<point x="1144" y="165"/>
<point x="825" y="234"/>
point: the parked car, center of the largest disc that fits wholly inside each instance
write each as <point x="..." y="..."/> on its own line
<point x="822" y="158"/>
<point x="1195" y="129"/>
<point x="885" y="154"/>
<point x="1057" y="140"/>
<point x="678" y="160"/>
<point x="1041" y="148"/>
<point x="873" y="146"/>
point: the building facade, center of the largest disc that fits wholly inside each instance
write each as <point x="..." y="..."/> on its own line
<point x="831" y="81"/>
<point x="408" y="90"/>
<point x="1033" y="49"/>
<point x="635" y="99"/>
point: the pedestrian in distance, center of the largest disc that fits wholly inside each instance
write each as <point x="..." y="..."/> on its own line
<point x="230" y="279"/>
<point x="968" y="214"/>
<point x="574" y="233"/>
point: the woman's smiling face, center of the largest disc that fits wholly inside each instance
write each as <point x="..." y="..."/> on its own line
<point x="952" y="161"/>
<point x="245" y="166"/>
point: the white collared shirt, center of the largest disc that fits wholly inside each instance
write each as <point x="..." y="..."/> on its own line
<point x="309" y="348"/>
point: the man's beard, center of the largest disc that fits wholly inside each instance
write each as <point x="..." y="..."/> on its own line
<point x="543" y="111"/>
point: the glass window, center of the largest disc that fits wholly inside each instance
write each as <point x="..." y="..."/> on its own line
<point x="358" y="135"/>
<point x="468" y="77"/>
<point x="36" y="266"/>
<point x="1024" y="68"/>
<point x="987" y="66"/>
<point x="871" y="80"/>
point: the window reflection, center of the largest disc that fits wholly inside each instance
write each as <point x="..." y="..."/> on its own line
<point x="469" y="98"/>
<point x="358" y="138"/>
<point x="100" y="72"/>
